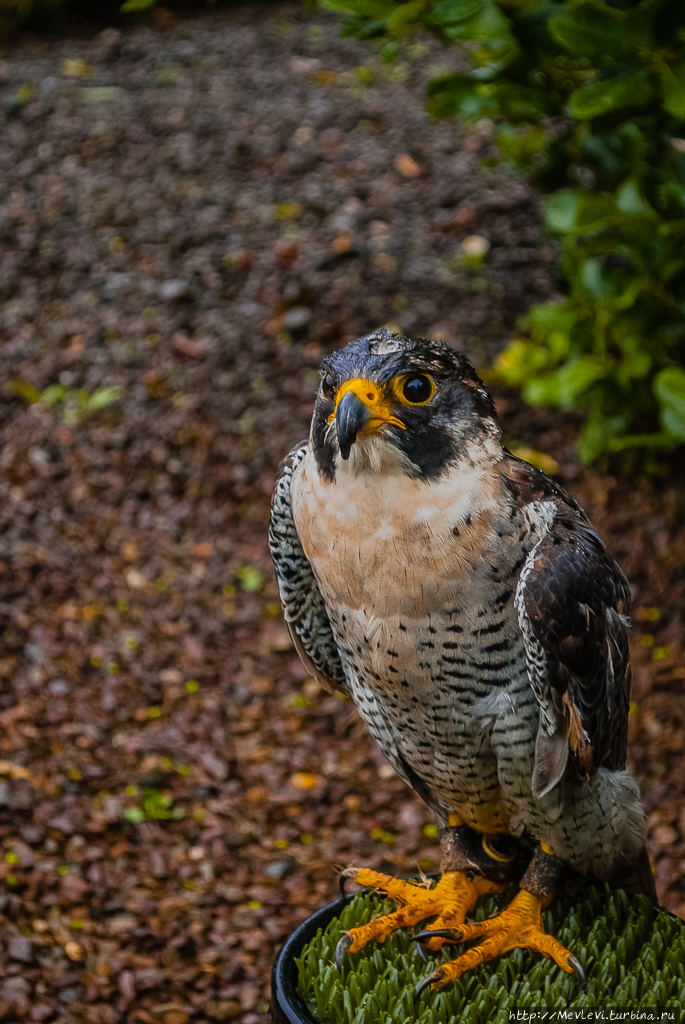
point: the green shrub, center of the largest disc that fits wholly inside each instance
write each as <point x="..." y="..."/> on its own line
<point x="633" y="957"/>
<point x="589" y="98"/>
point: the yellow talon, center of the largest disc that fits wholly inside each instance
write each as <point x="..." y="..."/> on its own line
<point x="451" y="899"/>
<point x="520" y="925"/>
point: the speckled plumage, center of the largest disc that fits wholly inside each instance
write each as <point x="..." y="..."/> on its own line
<point x="303" y="606"/>
<point x="466" y="604"/>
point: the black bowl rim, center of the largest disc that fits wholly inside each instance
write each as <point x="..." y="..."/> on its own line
<point x="287" y="1006"/>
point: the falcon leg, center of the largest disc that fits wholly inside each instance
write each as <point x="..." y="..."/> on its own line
<point x="454" y="896"/>
<point x="451" y="899"/>
<point x="520" y="925"/>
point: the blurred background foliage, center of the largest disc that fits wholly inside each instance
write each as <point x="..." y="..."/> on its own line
<point x="588" y="97"/>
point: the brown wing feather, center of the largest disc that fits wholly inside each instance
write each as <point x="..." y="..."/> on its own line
<point x="576" y="600"/>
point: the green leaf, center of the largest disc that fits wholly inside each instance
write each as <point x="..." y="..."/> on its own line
<point x="673" y="89"/>
<point x="522" y="146"/>
<point x="606" y="151"/>
<point x="25" y="92"/>
<point x="54" y="394"/>
<point x="595" y="279"/>
<point x="669" y="388"/>
<point x="570" y="210"/>
<point x="361" y="8"/>
<point x="629" y="88"/>
<point x="634" y="365"/>
<point x="366" y="29"/>
<point x="251" y="578"/>
<point x="26" y="391"/>
<point x="630" y="201"/>
<point x="562" y="210"/>
<point x="597" y="436"/>
<point x="405" y="15"/>
<point x="656" y="440"/>
<point x="137" y="5"/>
<point x="520" y="361"/>
<point x="587" y="31"/>
<point x="102" y="397"/>
<point x="463" y="96"/>
<point x="479" y="21"/>
<point x="565" y="386"/>
<point x="457" y="12"/>
<point x="552" y="316"/>
<point x="522" y="103"/>
<point x="133" y="814"/>
<point x="595" y="212"/>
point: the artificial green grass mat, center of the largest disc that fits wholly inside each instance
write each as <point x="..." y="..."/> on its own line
<point x="632" y="956"/>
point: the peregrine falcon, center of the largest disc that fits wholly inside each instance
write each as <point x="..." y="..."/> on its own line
<point x="464" y="602"/>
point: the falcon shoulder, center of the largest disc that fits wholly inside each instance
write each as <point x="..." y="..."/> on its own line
<point x="303" y="606"/>
<point x="573" y="601"/>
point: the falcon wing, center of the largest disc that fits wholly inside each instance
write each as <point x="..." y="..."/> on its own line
<point x="572" y="601"/>
<point x="303" y="606"/>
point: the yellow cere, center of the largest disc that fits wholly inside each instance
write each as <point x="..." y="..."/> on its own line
<point x="373" y="398"/>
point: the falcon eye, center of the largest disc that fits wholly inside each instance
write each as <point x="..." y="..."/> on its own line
<point x="418" y="389"/>
<point x="327" y="386"/>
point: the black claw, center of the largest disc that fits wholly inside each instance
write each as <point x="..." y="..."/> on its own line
<point x="663" y="910"/>
<point x="423" y="985"/>
<point x="343" y="879"/>
<point x="576" y="965"/>
<point x="422" y="952"/>
<point x="341" y="949"/>
<point x="437" y="933"/>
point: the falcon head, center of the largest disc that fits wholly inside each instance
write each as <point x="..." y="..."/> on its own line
<point x="388" y="403"/>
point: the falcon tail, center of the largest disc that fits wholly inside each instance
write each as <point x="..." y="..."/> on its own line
<point x="638" y="877"/>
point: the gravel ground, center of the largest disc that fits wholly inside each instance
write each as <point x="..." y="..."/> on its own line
<point x="194" y="214"/>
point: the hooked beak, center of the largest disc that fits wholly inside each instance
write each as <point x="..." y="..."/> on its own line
<point x="360" y="409"/>
<point x="351" y="416"/>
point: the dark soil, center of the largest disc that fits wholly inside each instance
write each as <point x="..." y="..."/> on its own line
<point x="215" y="205"/>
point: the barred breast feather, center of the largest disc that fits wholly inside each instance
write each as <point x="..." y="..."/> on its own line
<point x="303" y="606"/>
